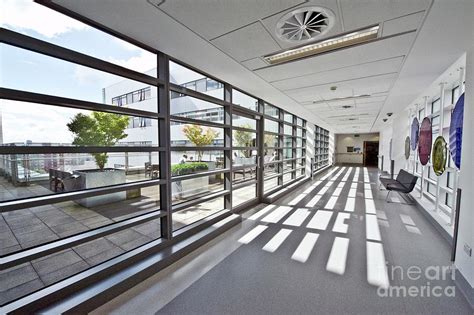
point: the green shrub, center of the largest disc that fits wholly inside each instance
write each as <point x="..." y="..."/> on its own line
<point x="188" y="168"/>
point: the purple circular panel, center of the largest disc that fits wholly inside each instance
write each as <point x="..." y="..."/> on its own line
<point x="425" y="141"/>
<point x="455" y="131"/>
<point x="415" y="126"/>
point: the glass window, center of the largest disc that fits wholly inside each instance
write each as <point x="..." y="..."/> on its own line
<point x="271" y="111"/>
<point x="192" y="135"/>
<point x="288" y="117"/>
<point x="271" y="126"/>
<point x="244" y="100"/>
<point x="287" y="142"/>
<point x="195" y="81"/>
<point x="287" y="129"/>
<point x="196" y="213"/>
<point x="40" y="22"/>
<point x="271" y="141"/>
<point x="435" y="106"/>
<point x="244" y="194"/>
<point x="244" y="122"/>
<point x="191" y="107"/>
<point x="33" y="72"/>
<point x="242" y="138"/>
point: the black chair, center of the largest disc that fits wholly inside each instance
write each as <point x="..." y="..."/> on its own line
<point x="404" y="184"/>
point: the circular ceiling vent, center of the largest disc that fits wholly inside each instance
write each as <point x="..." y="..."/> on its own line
<point x="304" y="24"/>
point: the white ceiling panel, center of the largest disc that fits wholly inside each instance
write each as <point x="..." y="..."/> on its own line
<point x="342" y="74"/>
<point x="402" y="24"/>
<point x="369" y="85"/>
<point x="378" y="50"/>
<point x="271" y="21"/>
<point x="212" y="18"/>
<point x="254" y="63"/>
<point x="247" y="42"/>
<point x="361" y="13"/>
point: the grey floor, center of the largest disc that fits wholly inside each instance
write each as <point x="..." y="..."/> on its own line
<point x="238" y="274"/>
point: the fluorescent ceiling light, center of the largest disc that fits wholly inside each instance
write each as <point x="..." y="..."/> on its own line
<point x="330" y="44"/>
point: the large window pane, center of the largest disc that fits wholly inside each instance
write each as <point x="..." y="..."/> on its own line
<point x="192" y="162"/>
<point x="244" y="100"/>
<point x="244" y="138"/>
<point x="244" y="157"/>
<point x="243" y="174"/>
<point x="198" y="212"/>
<point x="244" y="194"/>
<point x="46" y="125"/>
<point x="272" y="111"/>
<point x="287" y="130"/>
<point x="288" y="117"/>
<point x="189" y="189"/>
<point x="32" y="19"/>
<point x="183" y="134"/>
<point x="271" y="141"/>
<point x="33" y="72"/>
<point x="244" y="122"/>
<point x="195" y="81"/>
<point x="271" y="126"/>
<point x="191" y="107"/>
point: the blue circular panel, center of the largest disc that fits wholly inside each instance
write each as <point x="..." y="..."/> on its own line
<point x="455" y="131"/>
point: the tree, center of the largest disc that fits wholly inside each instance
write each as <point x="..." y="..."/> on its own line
<point x="196" y="135"/>
<point x="244" y="139"/>
<point x="98" y="129"/>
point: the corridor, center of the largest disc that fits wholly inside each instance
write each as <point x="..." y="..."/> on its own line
<point x="332" y="246"/>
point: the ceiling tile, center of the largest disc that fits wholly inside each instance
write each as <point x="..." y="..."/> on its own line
<point x="247" y="43"/>
<point x="369" y="85"/>
<point x="254" y="63"/>
<point x="362" y="13"/>
<point x="214" y="18"/>
<point x="402" y="24"/>
<point x="342" y="74"/>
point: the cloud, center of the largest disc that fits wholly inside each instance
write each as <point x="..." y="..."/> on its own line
<point x="25" y="15"/>
<point x="23" y="121"/>
<point x="144" y="62"/>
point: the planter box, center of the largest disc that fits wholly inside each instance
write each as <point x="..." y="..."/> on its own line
<point x="95" y="178"/>
<point x="186" y="188"/>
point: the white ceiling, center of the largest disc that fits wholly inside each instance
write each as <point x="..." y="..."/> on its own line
<point x="228" y="39"/>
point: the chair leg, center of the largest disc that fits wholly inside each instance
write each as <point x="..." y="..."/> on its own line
<point x="387" y="198"/>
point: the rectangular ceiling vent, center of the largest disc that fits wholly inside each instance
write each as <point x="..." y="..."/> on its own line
<point x="327" y="45"/>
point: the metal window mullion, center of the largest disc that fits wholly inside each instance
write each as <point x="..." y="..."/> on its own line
<point x="228" y="143"/>
<point x="280" y="144"/>
<point x="260" y="151"/>
<point x="166" y="223"/>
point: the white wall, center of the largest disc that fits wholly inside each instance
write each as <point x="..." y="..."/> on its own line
<point x="348" y="140"/>
<point x="384" y="148"/>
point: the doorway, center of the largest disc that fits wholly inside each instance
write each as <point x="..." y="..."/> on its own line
<point x="371" y="153"/>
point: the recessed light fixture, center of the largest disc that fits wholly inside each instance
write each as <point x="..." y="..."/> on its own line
<point x="389" y="114"/>
<point x="330" y="44"/>
<point x="346" y="106"/>
<point x="385" y="120"/>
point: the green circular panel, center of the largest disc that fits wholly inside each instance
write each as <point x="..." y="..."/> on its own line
<point x="439" y="156"/>
<point x="407" y="147"/>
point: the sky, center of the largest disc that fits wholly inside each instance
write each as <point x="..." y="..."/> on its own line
<point x="24" y="70"/>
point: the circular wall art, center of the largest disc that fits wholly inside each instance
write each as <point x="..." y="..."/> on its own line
<point x="425" y="141"/>
<point x="415" y="127"/>
<point x="455" y="131"/>
<point x="407" y="147"/>
<point x="439" y="156"/>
